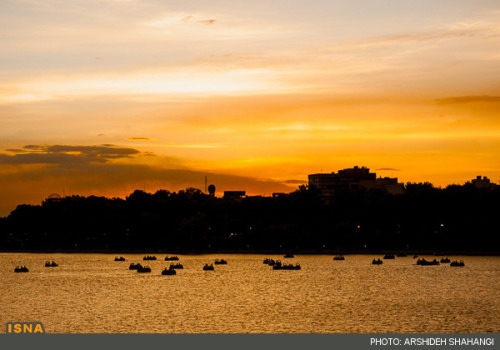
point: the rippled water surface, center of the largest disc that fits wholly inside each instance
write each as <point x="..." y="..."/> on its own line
<point x="91" y="293"/>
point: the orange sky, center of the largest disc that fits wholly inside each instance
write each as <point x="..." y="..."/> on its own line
<point x="102" y="97"/>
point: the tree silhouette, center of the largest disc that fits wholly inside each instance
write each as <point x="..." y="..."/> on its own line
<point x="457" y="218"/>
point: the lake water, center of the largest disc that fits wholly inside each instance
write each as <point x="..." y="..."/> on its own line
<point x="91" y="293"/>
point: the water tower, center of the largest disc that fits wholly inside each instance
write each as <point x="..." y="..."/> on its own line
<point x="211" y="190"/>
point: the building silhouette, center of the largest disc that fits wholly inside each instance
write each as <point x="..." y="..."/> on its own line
<point x="234" y="194"/>
<point x="353" y="179"/>
<point x="483" y="182"/>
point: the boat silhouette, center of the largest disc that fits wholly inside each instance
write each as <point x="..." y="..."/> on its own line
<point x="169" y="271"/>
<point x="176" y="266"/>
<point x="134" y="266"/>
<point x="208" y="267"/>
<point x="280" y="266"/>
<point x="424" y="262"/>
<point x="143" y="269"/>
<point x="21" y="269"/>
<point x="269" y="262"/>
<point x="171" y="258"/>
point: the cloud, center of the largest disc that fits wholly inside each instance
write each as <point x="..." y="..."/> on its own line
<point x="140" y="139"/>
<point x="295" y="182"/>
<point x="471" y="29"/>
<point x="172" y="19"/>
<point x="67" y="154"/>
<point x="186" y="27"/>
<point x="391" y="169"/>
<point x="412" y="37"/>
<point x="16" y="150"/>
<point x="468" y="99"/>
<point x="304" y="127"/>
<point x="191" y="146"/>
<point x="41" y="158"/>
<point x="207" y="21"/>
<point x="105" y="151"/>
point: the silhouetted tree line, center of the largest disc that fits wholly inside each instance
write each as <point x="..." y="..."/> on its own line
<point x="425" y="218"/>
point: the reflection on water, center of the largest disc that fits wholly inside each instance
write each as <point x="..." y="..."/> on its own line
<point x="91" y="293"/>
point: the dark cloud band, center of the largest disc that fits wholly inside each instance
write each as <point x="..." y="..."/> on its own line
<point x="67" y="154"/>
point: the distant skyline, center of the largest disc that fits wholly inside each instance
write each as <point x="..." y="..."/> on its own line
<point x="103" y="97"/>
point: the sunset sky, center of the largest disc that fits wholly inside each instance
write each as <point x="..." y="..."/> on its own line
<point x="106" y="96"/>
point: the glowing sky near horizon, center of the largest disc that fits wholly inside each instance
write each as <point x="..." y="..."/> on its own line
<point x="257" y="94"/>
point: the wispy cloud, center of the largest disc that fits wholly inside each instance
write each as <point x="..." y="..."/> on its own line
<point x="140" y="139"/>
<point x="389" y="169"/>
<point x="17" y="150"/>
<point x="224" y="58"/>
<point x="295" y="182"/>
<point x="207" y="21"/>
<point x="470" y="29"/>
<point x="171" y="19"/>
<point x="304" y="127"/>
<point x="229" y="27"/>
<point x="468" y="99"/>
<point x="175" y="145"/>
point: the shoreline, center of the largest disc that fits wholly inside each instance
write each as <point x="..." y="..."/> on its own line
<point x="257" y="252"/>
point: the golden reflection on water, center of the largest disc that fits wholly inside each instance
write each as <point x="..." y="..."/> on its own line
<point x="91" y="293"/>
